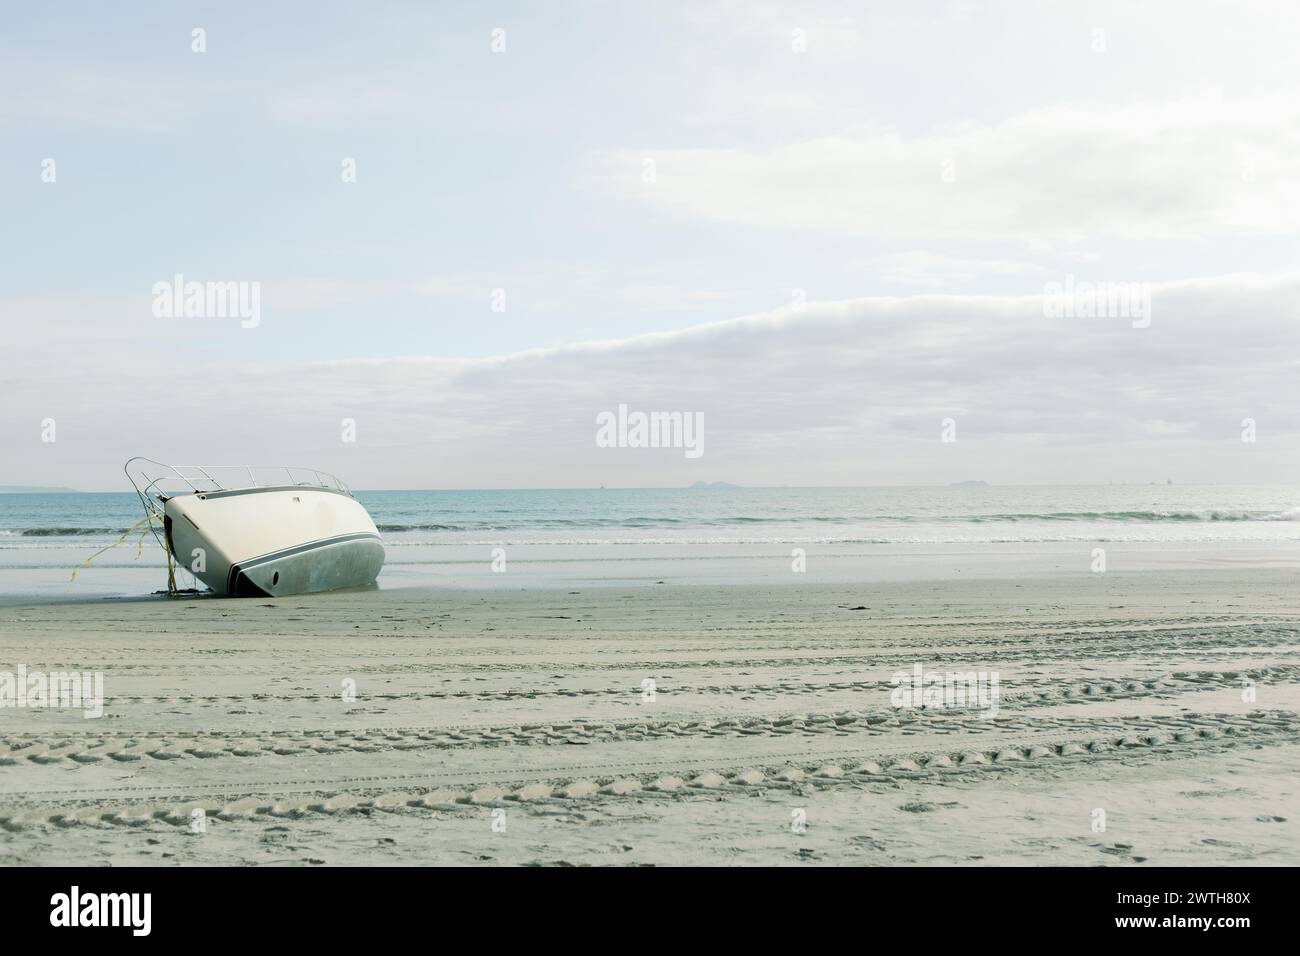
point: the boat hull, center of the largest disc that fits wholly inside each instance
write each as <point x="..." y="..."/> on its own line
<point x="267" y="542"/>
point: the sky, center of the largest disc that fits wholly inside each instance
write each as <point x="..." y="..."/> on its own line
<point x="826" y="228"/>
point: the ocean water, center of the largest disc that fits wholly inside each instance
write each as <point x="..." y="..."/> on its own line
<point x="572" y="535"/>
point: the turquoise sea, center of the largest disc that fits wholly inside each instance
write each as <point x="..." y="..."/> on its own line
<point x="449" y="537"/>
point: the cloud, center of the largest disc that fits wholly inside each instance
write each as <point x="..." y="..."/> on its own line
<point x="1197" y="167"/>
<point x="841" y="393"/>
<point x="921" y="268"/>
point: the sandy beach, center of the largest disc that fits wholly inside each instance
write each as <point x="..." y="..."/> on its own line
<point x="667" y="724"/>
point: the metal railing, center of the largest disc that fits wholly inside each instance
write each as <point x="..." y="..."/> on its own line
<point x="154" y="480"/>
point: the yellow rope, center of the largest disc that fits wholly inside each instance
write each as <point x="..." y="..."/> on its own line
<point x="146" y="520"/>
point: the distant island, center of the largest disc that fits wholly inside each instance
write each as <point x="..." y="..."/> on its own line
<point x="34" y="490"/>
<point x="715" y="485"/>
<point x="973" y="483"/>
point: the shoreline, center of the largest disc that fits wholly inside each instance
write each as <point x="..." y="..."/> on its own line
<point x="551" y="567"/>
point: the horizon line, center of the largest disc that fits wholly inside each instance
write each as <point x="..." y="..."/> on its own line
<point x="728" y="486"/>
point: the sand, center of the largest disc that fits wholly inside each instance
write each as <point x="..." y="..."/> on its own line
<point x="519" y="727"/>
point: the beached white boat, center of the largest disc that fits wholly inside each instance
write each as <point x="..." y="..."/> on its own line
<point x="250" y="531"/>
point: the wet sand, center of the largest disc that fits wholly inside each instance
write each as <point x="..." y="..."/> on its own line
<point x="666" y="724"/>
